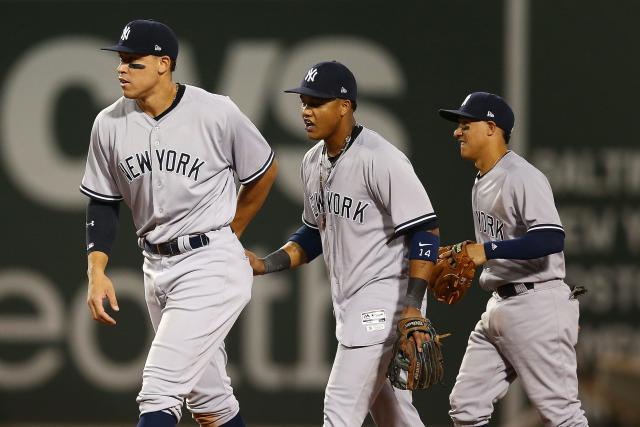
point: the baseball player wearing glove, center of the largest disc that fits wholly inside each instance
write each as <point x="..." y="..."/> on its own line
<point x="530" y="327"/>
<point x="364" y="210"/>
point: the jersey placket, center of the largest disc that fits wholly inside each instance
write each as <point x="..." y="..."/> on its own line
<point x="332" y="228"/>
<point x="158" y="178"/>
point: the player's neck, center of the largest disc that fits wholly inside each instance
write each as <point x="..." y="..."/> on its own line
<point x="339" y="139"/>
<point x="491" y="158"/>
<point x="159" y="99"/>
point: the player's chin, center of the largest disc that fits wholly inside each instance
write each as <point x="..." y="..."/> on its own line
<point x="129" y="93"/>
<point x="314" y="135"/>
<point x="465" y="153"/>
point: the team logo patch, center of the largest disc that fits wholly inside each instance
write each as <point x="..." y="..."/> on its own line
<point x="157" y="48"/>
<point x="490" y="114"/>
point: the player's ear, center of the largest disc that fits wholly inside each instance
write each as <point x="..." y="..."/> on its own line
<point x="491" y="128"/>
<point x="164" y="65"/>
<point x="345" y="106"/>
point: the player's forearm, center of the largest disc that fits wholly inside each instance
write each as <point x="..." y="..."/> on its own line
<point x="419" y="273"/>
<point x="290" y="256"/>
<point x="96" y="263"/>
<point x="251" y="197"/>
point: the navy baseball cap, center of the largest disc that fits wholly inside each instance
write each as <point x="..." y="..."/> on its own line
<point x="328" y="80"/>
<point x="483" y="106"/>
<point x="147" y="37"/>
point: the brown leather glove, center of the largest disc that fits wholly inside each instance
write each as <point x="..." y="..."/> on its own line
<point x="453" y="273"/>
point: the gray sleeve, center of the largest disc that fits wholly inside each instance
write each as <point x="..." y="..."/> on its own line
<point x="395" y="184"/>
<point x="534" y="202"/>
<point x="251" y="155"/>
<point x="308" y="217"/>
<point x="98" y="181"/>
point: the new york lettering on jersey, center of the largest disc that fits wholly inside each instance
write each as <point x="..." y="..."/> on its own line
<point x="138" y="164"/>
<point x="338" y="205"/>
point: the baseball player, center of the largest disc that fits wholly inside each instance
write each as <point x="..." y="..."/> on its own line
<point x="170" y="152"/>
<point x="530" y="326"/>
<point x="366" y="211"/>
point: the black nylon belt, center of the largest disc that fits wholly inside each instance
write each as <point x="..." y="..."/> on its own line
<point x="171" y="247"/>
<point x="510" y="290"/>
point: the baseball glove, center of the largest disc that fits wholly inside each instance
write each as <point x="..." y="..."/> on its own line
<point x="410" y="369"/>
<point x="452" y="276"/>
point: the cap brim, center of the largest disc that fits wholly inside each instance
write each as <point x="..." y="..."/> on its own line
<point x="454" y="115"/>
<point x="310" y="92"/>
<point x="120" y="48"/>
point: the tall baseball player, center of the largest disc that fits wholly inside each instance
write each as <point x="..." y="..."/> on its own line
<point x="170" y="152"/>
<point x="367" y="212"/>
<point x="530" y="326"/>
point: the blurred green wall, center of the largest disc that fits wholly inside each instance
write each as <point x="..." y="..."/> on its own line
<point x="410" y="58"/>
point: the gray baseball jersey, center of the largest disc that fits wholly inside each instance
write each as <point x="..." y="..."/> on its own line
<point x="177" y="173"/>
<point x="510" y="200"/>
<point x="359" y="204"/>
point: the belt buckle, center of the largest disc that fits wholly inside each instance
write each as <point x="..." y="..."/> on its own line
<point x="520" y="288"/>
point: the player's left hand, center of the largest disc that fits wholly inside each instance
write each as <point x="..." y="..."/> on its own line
<point x="475" y="251"/>
<point x="257" y="264"/>
<point x="419" y="337"/>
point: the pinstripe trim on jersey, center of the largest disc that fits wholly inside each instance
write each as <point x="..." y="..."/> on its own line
<point x="260" y="171"/>
<point x="308" y="224"/>
<point x="546" y="227"/>
<point x="99" y="196"/>
<point x="412" y="223"/>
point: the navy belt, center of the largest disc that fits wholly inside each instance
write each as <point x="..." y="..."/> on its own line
<point x="513" y="289"/>
<point x="172" y="247"/>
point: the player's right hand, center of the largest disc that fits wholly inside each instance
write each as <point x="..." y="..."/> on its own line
<point x="257" y="264"/>
<point x="101" y="288"/>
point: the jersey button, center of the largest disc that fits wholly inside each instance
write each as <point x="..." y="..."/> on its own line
<point x="156" y="142"/>
<point x="161" y="210"/>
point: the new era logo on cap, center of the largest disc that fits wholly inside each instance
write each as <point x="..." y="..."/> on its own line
<point x="483" y="106"/>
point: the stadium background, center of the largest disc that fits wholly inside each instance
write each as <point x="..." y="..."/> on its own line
<point x="568" y="67"/>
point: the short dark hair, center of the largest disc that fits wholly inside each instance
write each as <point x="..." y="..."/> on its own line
<point x="506" y="136"/>
<point x="173" y="64"/>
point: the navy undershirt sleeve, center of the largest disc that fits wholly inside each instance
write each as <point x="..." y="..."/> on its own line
<point x="102" y="225"/>
<point x="534" y="244"/>
<point x="309" y="240"/>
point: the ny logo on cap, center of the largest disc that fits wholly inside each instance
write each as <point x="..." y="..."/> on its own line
<point x="343" y="90"/>
<point x="311" y="75"/>
<point x="490" y="114"/>
<point x="125" y="33"/>
<point x="157" y="48"/>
